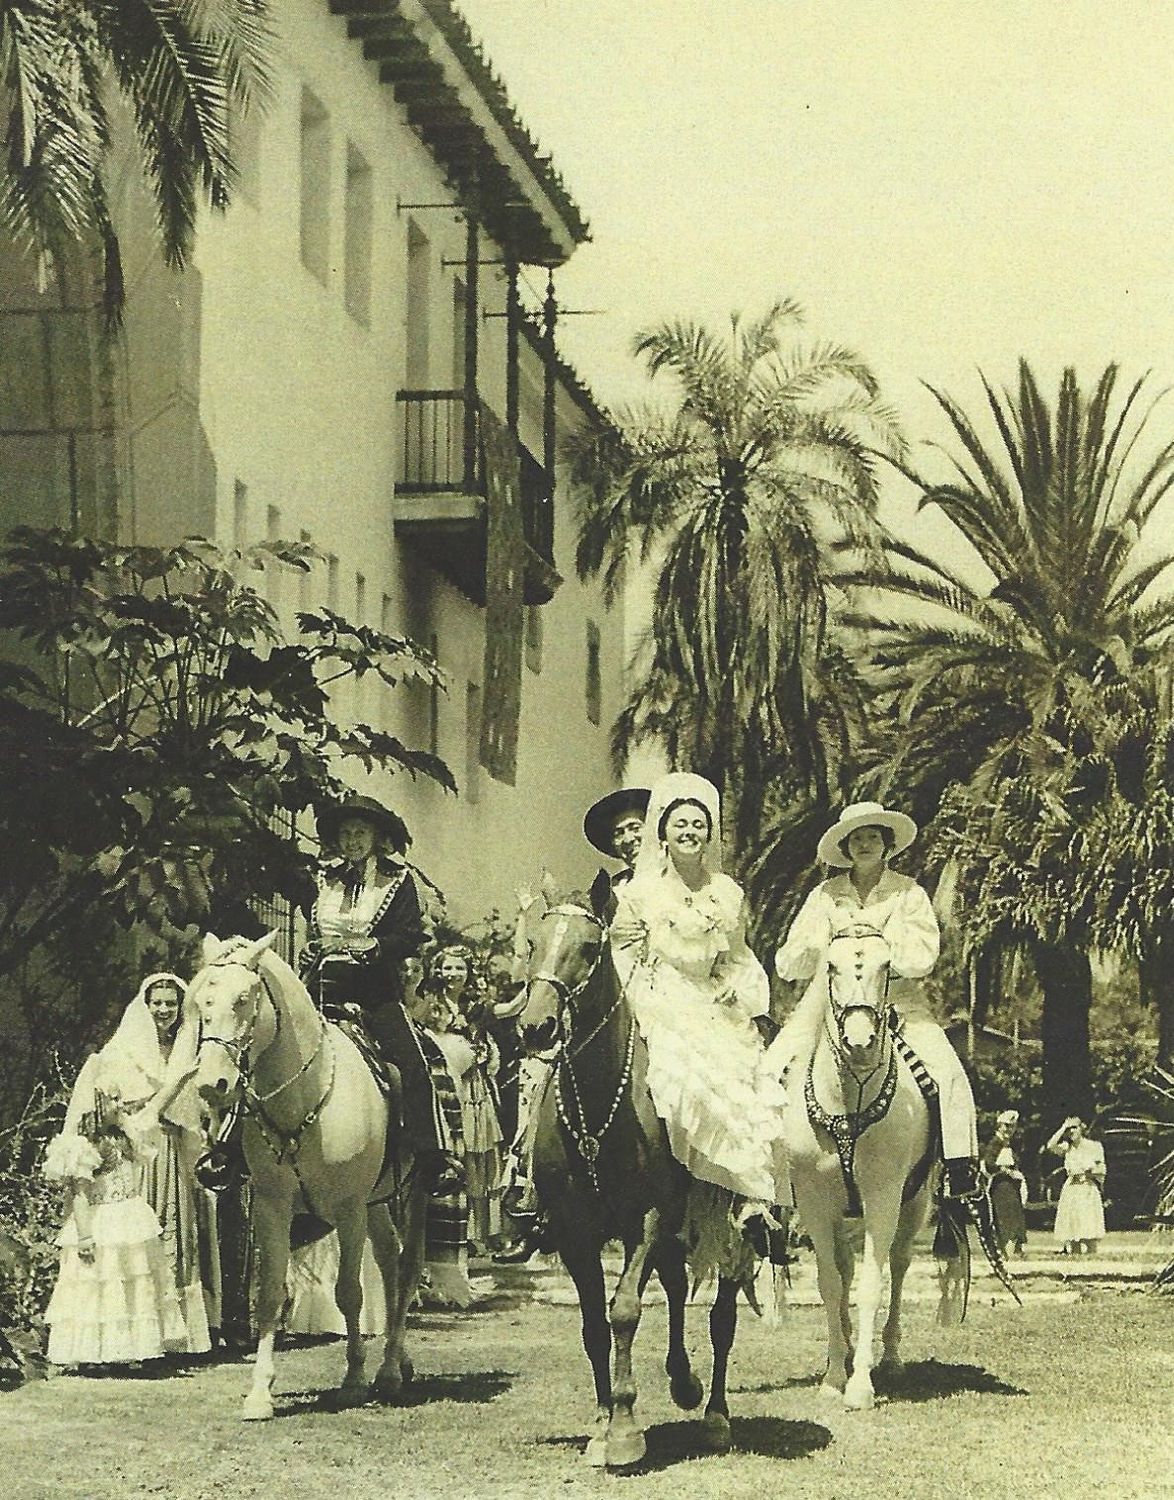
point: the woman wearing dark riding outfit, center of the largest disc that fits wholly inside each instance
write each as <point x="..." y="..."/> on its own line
<point x="366" y="921"/>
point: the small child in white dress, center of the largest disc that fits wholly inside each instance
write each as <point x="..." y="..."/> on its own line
<point x="115" y="1300"/>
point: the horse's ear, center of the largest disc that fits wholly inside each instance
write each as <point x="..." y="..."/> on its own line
<point x="549" y="888"/>
<point x="211" y="947"/>
<point x="250" y="956"/>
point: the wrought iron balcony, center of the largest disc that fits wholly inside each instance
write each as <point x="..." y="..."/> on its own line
<point x="442" y="495"/>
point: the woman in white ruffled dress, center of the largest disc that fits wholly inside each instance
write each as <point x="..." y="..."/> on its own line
<point x="140" y="1049"/>
<point x="679" y="944"/>
<point x="115" y="1300"/>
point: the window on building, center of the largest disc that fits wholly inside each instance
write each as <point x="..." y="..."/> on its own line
<point x="332" y="582"/>
<point x="240" y="514"/>
<point x="594" y="674"/>
<point x="533" y="638"/>
<point x="472" y="786"/>
<point x="418" y="294"/>
<point x="358" y="236"/>
<point x="315" y="187"/>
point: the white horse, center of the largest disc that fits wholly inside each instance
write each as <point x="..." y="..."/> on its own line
<point x="858" y="1132"/>
<point x="315" y="1141"/>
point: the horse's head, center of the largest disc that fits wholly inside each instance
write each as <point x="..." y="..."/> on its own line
<point x="563" y="945"/>
<point x="858" y="986"/>
<point x="235" y="1022"/>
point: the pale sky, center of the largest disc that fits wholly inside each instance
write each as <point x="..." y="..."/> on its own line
<point x="943" y="184"/>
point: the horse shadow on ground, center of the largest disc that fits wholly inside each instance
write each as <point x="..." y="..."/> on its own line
<point x="468" y="1388"/>
<point x="934" y="1380"/>
<point x="672" y="1443"/>
<point x="923" y="1380"/>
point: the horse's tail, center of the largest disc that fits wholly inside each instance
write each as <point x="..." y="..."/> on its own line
<point x="951" y="1248"/>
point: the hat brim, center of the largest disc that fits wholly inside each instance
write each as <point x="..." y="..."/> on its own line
<point x="382" y="819"/>
<point x="600" y="817"/>
<point x="900" y="825"/>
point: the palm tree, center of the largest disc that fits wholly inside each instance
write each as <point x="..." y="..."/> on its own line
<point x="733" y="496"/>
<point x="178" y="65"/>
<point x="1002" y="696"/>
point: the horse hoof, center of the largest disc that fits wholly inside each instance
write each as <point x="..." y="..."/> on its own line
<point x="388" y="1385"/>
<point x="596" y="1454"/>
<point x="862" y="1400"/>
<point x="715" y="1426"/>
<point x="257" y="1409"/>
<point x="356" y="1393"/>
<point x="686" y="1391"/>
<point x="830" y="1391"/>
<point x="407" y="1370"/>
<point x="623" y="1452"/>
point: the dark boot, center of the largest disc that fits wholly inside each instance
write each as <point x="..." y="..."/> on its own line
<point x="442" y="1172"/>
<point x="962" y="1179"/>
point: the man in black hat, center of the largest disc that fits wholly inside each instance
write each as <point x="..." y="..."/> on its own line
<point x="366" y="921"/>
<point x="614" y="825"/>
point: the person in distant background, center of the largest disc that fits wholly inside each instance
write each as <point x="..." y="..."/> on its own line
<point x="1006" y="1184"/>
<point x="1080" y="1213"/>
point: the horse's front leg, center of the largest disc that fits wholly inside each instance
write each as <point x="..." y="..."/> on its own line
<point x="723" y="1324"/>
<point x="880" y="1226"/>
<point x="348" y="1294"/>
<point x="684" y="1386"/>
<point x="833" y="1265"/>
<point x="398" y="1246"/>
<point x="625" y="1441"/>
<point x="580" y="1254"/>
<point x="909" y="1222"/>
<point x="271" y="1220"/>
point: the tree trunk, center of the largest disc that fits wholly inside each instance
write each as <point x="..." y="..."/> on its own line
<point x="1065" y="976"/>
<point x="1156" y="972"/>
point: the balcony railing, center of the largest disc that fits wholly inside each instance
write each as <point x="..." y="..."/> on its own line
<point x="436" y="457"/>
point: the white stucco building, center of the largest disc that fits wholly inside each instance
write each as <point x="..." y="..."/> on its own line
<point x="325" y="370"/>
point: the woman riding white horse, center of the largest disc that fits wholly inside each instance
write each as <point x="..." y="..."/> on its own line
<point x="861" y="842"/>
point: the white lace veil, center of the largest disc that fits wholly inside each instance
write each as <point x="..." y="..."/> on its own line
<point x="679" y="786"/>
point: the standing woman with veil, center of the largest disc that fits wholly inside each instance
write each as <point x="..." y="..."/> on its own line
<point x="697" y="990"/>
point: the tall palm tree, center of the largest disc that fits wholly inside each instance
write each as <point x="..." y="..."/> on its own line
<point x="996" y="691"/>
<point x="732" y="496"/>
<point x="178" y="65"/>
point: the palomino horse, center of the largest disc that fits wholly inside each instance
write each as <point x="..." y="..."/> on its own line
<point x="315" y="1141"/>
<point x="604" y="1171"/>
<point x="857" y="1132"/>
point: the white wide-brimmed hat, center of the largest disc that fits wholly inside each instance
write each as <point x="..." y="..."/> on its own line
<point x="864" y="815"/>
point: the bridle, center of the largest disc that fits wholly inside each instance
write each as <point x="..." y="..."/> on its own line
<point x="586" y="1142"/>
<point x="847" y="1128"/>
<point x="284" y="1144"/>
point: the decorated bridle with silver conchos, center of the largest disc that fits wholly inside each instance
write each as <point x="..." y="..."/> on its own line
<point x="846" y="1129"/>
<point x="586" y="1142"/>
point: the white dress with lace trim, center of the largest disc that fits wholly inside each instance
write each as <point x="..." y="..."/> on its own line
<point x="677" y="951"/>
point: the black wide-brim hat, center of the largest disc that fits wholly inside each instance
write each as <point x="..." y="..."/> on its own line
<point x="599" y="820"/>
<point x="382" y="819"/>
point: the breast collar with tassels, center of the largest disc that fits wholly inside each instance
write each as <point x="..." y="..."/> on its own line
<point x="846" y="1129"/>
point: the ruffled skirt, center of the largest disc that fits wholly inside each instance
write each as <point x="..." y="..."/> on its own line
<point x="1080" y="1213"/>
<point x="122" y="1306"/>
<point x="721" y="1104"/>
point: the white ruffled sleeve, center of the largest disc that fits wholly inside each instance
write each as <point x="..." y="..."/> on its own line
<point x="913" y="935"/>
<point x="70" y="1157"/>
<point x="628" y="933"/>
<point x="743" y="974"/>
<point x="807" y="942"/>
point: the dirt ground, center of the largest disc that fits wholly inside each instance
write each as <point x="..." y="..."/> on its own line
<point x="1071" y="1395"/>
